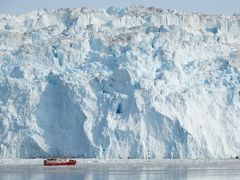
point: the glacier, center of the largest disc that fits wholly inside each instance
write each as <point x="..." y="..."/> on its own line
<point x="119" y="83"/>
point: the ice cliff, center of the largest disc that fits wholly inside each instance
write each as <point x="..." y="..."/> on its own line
<point x="119" y="83"/>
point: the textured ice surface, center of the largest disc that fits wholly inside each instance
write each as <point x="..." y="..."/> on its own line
<point x="119" y="83"/>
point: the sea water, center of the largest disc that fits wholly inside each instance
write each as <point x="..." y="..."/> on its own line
<point x="132" y="169"/>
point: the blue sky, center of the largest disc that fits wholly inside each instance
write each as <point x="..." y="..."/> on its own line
<point x="205" y="6"/>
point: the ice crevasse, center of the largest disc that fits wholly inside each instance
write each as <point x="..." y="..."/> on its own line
<point x="119" y="83"/>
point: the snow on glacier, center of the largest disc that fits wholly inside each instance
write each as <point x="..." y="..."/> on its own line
<point x="119" y="83"/>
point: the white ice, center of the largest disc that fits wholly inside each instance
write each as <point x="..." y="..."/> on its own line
<point x="119" y="83"/>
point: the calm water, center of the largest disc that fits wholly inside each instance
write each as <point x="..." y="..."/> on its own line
<point x="134" y="170"/>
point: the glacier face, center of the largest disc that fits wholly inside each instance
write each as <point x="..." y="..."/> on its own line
<point x="119" y="83"/>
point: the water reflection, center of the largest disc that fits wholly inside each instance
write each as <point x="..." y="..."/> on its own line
<point x="118" y="171"/>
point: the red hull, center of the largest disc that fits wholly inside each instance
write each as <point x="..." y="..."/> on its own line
<point x="59" y="163"/>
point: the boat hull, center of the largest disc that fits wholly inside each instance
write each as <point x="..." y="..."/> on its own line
<point x="68" y="163"/>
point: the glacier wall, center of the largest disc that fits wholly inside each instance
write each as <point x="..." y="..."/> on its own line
<point x="119" y="83"/>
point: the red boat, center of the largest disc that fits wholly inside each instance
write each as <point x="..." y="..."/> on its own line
<point x="59" y="162"/>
